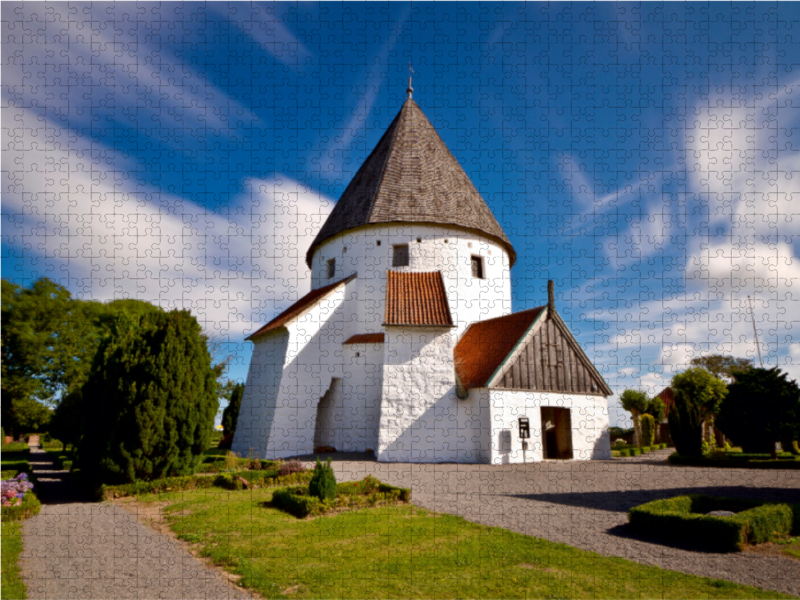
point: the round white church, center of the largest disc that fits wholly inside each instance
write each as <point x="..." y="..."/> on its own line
<point x="406" y="346"/>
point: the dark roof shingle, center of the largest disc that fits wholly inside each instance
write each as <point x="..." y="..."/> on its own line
<point x="299" y="307"/>
<point x="485" y="345"/>
<point x="411" y="176"/>
<point x="416" y="299"/>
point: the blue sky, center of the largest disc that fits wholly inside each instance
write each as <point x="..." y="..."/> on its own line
<point x="645" y="157"/>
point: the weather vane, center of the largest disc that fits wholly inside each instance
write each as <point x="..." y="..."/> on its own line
<point x="410" y="90"/>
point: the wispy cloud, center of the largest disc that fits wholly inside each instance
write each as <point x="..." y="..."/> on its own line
<point x="89" y="229"/>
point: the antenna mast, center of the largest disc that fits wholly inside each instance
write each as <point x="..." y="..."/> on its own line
<point x="755" y="331"/>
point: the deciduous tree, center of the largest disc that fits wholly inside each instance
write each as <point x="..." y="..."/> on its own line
<point x="762" y="407"/>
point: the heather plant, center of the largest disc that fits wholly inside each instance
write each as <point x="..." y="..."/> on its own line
<point x="290" y="467"/>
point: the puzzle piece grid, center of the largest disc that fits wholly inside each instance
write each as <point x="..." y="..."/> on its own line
<point x="640" y="156"/>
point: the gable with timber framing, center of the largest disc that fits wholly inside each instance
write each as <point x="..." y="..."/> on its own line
<point x="549" y="359"/>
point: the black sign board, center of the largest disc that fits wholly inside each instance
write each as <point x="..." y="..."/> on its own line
<point x="524" y="428"/>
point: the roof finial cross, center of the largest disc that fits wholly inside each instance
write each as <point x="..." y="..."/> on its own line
<point x="409" y="90"/>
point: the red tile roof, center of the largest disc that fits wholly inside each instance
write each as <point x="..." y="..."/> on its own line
<point x="299" y="307"/>
<point x="486" y="344"/>
<point x="365" y="338"/>
<point x="416" y="299"/>
<point x="668" y="396"/>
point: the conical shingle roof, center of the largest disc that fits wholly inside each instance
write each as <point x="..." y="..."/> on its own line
<point x="411" y="177"/>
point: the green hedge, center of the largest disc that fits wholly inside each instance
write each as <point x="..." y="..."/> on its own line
<point x="15" y="447"/>
<point x="733" y="461"/>
<point x="684" y="518"/>
<point x="632" y="451"/>
<point x="30" y="506"/>
<point x="351" y="494"/>
<point x="196" y="482"/>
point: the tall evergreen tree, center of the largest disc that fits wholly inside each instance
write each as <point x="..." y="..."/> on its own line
<point x="150" y="400"/>
<point x="230" y="416"/>
<point x="686" y="425"/>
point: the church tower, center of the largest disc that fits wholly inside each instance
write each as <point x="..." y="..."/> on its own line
<point x="406" y="346"/>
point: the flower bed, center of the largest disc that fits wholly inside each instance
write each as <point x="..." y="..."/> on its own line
<point x="18" y="500"/>
<point x="686" y="519"/>
<point x="737" y="460"/>
<point x="349" y="495"/>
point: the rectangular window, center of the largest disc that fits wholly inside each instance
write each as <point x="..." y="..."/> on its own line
<point x="400" y="255"/>
<point x="477" y="267"/>
<point x="331" y="268"/>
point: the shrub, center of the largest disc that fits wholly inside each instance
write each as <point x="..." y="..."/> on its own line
<point x="736" y="461"/>
<point x="230" y="415"/>
<point x="18" y="500"/>
<point x="231" y="460"/>
<point x="292" y="466"/>
<point x="323" y="483"/>
<point x="685" y="426"/>
<point x="683" y="518"/>
<point x="150" y="400"/>
<point x="762" y="407"/>
<point x="297" y="501"/>
<point x="231" y="481"/>
<point x="648" y="430"/>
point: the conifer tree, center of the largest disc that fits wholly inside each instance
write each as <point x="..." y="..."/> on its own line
<point x="686" y="426"/>
<point x="150" y="398"/>
<point x="230" y="416"/>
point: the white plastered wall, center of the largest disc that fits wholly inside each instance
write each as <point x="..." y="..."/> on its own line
<point x="440" y="248"/>
<point x="421" y="418"/>
<point x="588" y="416"/>
<point x="312" y="359"/>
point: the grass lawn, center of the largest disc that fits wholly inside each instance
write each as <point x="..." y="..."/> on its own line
<point x="12" y="585"/>
<point x="791" y="547"/>
<point x="407" y="552"/>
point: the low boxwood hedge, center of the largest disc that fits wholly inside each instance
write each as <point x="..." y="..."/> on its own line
<point x="633" y="451"/>
<point x="685" y="518"/>
<point x="349" y="495"/>
<point x="734" y="461"/>
<point x="229" y="481"/>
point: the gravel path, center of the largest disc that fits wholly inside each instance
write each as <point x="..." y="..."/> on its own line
<point x="76" y="548"/>
<point x="585" y="504"/>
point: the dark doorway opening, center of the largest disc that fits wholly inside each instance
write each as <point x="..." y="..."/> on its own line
<point x="557" y="433"/>
<point x="325" y="427"/>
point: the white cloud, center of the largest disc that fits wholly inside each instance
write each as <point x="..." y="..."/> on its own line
<point x="73" y="211"/>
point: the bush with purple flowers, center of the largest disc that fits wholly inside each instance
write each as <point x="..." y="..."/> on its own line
<point x="18" y="500"/>
<point x="14" y="490"/>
